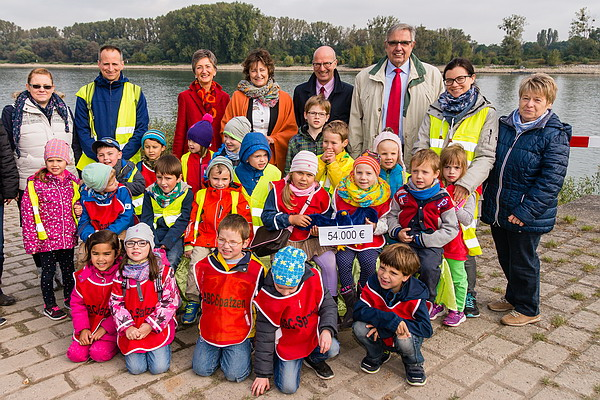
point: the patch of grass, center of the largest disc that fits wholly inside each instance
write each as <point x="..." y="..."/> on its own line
<point x="589" y="267"/>
<point x="574" y="279"/>
<point x="597" y="388"/>
<point x="454" y="397"/>
<point x="546" y="259"/>
<point x="574" y="188"/>
<point x="485" y="231"/>
<point x="548" y="382"/>
<point x="576" y="252"/>
<point x="569" y="219"/>
<point x="498" y="289"/>
<point x="587" y="228"/>
<point x="558" y="320"/>
<point x="479" y="274"/>
<point x="595" y="240"/>
<point x="550" y="244"/>
<point x="597" y="293"/>
<point x="577" y="296"/>
<point x="562" y="261"/>
<point x="495" y="274"/>
<point x="539" y="337"/>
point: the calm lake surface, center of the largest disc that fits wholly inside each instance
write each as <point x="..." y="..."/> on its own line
<point x="578" y="102"/>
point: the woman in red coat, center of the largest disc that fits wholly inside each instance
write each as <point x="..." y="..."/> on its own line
<point x="204" y="96"/>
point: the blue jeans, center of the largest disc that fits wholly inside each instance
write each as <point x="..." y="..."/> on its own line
<point x="517" y="255"/>
<point x="234" y="360"/>
<point x="286" y="374"/>
<point x="409" y="349"/>
<point x="156" y="361"/>
<point x="174" y="254"/>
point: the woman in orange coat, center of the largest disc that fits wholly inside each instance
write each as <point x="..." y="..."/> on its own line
<point x="269" y="109"/>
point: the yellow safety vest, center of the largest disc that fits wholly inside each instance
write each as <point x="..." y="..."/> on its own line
<point x="467" y="133"/>
<point x="470" y="232"/>
<point x="126" y="118"/>
<point x="35" y="204"/>
<point x="201" y="196"/>
<point x="137" y="201"/>
<point x="259" y="196"/>
<point x="171" y="212"/>
<point x="184" y="163"/>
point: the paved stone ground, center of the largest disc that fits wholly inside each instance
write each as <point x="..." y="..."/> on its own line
<point x="481" y="359"/>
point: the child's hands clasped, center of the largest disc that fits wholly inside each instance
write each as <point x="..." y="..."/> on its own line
<point x="133" y="333"/>
<point x="85" y="337"/>
<point x="328" y="156"/>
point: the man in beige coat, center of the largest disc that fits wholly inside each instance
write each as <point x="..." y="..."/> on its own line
<point x="421" y="85"/>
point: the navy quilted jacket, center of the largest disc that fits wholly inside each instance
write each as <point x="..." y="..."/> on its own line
<point x="527" y="176"/>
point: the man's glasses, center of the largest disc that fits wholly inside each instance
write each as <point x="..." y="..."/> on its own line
<point x="327" y="64"/>
<point x="139" y="243"/>
<point x="317" y="114"/>
<point x="403" y="43"/>
<point x="47" y="87"/>
<point x="459" y="79"/>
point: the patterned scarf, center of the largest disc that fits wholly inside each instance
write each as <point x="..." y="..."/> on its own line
<point x="524" y="126"/>
<point x="456" y="107"/>
<point x="164" y="199"/>
<point x="377" y="194"/>
<point x="138" y="272"/>
<point x="267" y="95"/>
<point x="207" y="97"/>
<point x="147" y="162"/>
<point x="231" y="155"/>
<point x="100" y="197"/>
<point x="17" y="115"/>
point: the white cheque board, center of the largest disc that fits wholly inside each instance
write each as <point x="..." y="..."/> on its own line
<point x="343" y="235"/>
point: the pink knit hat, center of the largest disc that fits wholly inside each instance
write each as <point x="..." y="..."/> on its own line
<point x="305" y="161"/>
<point x="56" y="148"/>
<point x="385" y="135"/>
<point x="369" y="158"/>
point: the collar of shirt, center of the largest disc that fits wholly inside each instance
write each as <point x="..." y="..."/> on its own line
<point x="328" y="87"/>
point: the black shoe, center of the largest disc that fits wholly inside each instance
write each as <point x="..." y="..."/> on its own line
<point x="54" y="313"/>
<point x="415" y="374"/>
<point x="2" y="321"/>
<point x="322" y="370"/>
<point x="6" y="300"/>
<point x="68" y="305"/>
<point x="471" y="309"/>
<point x="372" y="368"/>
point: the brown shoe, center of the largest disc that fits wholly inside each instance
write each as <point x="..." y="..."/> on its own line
<point x="515" y="318"/>
<point x="500" y="305"/>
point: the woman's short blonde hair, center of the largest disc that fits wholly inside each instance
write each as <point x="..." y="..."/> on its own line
<point x="539" y="83"/>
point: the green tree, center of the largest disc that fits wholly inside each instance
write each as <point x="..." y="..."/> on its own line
<point x="22" y="56"/>
<point x="377" y="28"/>
<point x="553" y="57"/>
<point x="581" y="25"/>
<point x="546" y="37"/>
<point x="514" y="26"/>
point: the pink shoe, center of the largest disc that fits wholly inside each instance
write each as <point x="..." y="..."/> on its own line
<point x="436" y="310"/>
<point x="454" y="318"/>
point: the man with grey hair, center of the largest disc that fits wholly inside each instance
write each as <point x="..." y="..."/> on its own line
<point x="394" y="93"/>
<point x="111" y="106"/>
<point x="326" y="81"/>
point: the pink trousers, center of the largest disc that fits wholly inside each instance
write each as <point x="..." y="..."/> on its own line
<point x="99" y="351"/>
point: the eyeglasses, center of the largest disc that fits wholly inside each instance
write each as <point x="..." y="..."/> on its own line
<point x="139" y="243"/>
<point x="47" y="87"/>
<point x="317" y="114"/>
<point x="403" y="43"/>
<point x="459" y="79"/>
<point x="230" y="243"/>
<point x="327" y="64"/>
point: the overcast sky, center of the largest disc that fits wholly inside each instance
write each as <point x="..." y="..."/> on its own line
<point x="477" y="18"/>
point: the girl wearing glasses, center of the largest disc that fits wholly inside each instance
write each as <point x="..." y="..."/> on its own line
<point x="143" y="302"/>
<point x="463" y="115"/>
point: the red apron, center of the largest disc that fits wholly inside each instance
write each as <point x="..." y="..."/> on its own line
<point x="96" y="296"/>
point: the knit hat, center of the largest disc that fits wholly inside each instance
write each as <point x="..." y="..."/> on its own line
<point x="369" y="158"/>
<point x="220" y="160"/>
<point x="56" y="148"/>
<point x="305" y="161"/>
<point x="288" y="266"/>
<point x="385" y="135"/>
<point x="96" y="176"/>
<point x="104" y="142"/>
<point x="237" y="128"/>
<point x="140" y="231"/>
<point x="202" y="131"/>
<point x="253" y="141"/>
<point x="155" y="134"/>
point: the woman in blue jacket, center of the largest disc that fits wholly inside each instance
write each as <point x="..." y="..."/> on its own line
<point x="521" y="194"/>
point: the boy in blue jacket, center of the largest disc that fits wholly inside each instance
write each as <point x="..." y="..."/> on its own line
<point x="391" y="314"/>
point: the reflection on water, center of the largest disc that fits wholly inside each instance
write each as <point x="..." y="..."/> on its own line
<point x="577" y="103"/>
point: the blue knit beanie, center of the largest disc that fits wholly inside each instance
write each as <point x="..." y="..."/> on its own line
<point x="155" y="134"/>
<point x="202" y="131"/>
<point x="253" y="142"/>
<point x="288" y="266"/>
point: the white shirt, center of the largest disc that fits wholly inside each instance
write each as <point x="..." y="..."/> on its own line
<point x="261" y="116"/>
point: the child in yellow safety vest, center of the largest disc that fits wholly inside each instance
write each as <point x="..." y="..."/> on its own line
<point x="49" y="212"/>
<point x="167" y="207"/>
<point x="335" y="163"/>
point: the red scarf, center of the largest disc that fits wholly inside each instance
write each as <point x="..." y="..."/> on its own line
<point x="207" y="98"/>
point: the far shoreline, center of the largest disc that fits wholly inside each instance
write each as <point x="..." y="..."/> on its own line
<point x="580" y="69"/>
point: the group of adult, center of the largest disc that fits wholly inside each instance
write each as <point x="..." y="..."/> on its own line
<point x="425" y="108"/>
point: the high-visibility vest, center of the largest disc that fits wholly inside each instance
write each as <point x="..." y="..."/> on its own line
<point x="171" y="212"/>
<point x="469" y="232"/>
<point x="201" y="196"/>
<point x="137" y="201"/>
<point x="259" y="194"/>
<point x="467" y="134"/>
<point x="35" y="204"/>
<point x="126" y="118"/>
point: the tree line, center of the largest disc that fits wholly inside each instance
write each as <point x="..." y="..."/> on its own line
<point x="231" y="30"/>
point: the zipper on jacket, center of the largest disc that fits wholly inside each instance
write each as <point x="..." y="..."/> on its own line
<point x="502" y="175"/>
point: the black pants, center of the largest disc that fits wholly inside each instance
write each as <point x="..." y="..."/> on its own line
<point x="517" y="254"/>
<point x="67" y="266"/>
<point x="429" y="272"/>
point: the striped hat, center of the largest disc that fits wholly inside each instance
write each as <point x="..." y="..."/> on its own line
<point x="155" y="134"/>
<point x="369" y="158"/>
<point x="56" y="148"/>
<point x="305" y="161"/>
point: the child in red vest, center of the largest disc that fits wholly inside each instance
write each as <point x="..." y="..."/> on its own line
<point x="288" y="206"/>
<point x="94" y="330"/>
<point x="227" y="281"/>
<point x="391" y="314"/>
<point x="49" y="212"/>
<point x="296" y="321"/>
<point x="143" y="302"/>
<point x="195" y="162"/>
<point x="154" y="145"/>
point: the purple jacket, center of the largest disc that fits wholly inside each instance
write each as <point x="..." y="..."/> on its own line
<point x="56" y="211"/>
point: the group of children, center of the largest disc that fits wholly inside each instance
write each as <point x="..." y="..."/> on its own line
<point x="141" y="223"/>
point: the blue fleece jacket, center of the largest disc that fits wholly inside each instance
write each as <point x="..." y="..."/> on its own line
<point x="105" y="107"/>
<point x="123" y="221"/>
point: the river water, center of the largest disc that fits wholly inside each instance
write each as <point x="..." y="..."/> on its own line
<point x="578" y="100"/>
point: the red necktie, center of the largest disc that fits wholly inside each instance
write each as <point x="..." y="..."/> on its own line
<point x="392" y="119"/>
<point x="322" y="91"/>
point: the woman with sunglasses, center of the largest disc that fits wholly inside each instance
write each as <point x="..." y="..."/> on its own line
<point x="463" y="115"/>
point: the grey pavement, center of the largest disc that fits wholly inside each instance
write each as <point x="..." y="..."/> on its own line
<point x="557" y="358"/>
